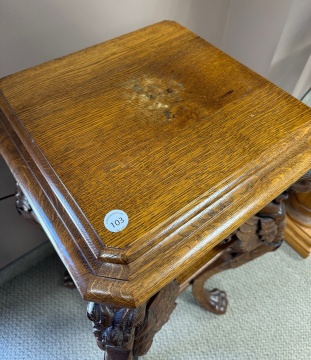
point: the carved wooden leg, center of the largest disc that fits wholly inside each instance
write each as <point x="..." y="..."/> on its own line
<point x="126" y="333"/>
<point x="260" y="234"/>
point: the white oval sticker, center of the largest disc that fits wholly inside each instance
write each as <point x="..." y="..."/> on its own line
<point x="116" y="220"/>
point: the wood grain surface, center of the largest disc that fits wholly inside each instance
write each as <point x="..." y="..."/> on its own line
<point x="298" y="219"/>
<point x="162" y="125"/>
<point x="298" y="236"/>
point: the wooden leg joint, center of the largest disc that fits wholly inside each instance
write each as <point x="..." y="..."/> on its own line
<point x="262" y="233"/>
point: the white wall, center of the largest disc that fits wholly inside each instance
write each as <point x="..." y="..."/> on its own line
<point x="293" y="51"/>
<point x="33" y="31"/>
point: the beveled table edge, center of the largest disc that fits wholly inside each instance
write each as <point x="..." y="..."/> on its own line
<point x="159" y="267"/>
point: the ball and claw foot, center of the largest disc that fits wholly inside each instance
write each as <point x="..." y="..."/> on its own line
<point x="214" y="301"/>
<point x="217" y="301"/>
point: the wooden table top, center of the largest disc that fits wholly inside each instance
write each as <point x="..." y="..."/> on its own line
<point x="159" y="124"/>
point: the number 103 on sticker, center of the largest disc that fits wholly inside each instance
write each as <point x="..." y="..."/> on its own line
<point x="116" y="220"/>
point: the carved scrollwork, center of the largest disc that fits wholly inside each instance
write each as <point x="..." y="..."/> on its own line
<point x="124" y="333"/>
<point x="266" y="227"/>
<point x="114" y="326"/>
<point x="261" y="233"/>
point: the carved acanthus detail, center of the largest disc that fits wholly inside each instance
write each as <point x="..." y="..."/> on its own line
<point x="124" y="333"/>
<point x="266" y="227"/>
<point x="261" y="233"/>
<point x="114" y="326"/>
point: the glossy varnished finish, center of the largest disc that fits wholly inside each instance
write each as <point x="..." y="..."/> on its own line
<point x="162" y="125"/>
<point x="298" y="236"/>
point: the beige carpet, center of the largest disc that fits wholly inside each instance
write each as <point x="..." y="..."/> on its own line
<point x="269" y="316"/>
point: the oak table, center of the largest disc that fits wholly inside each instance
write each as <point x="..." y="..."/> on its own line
<point x="152" y="161"/>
